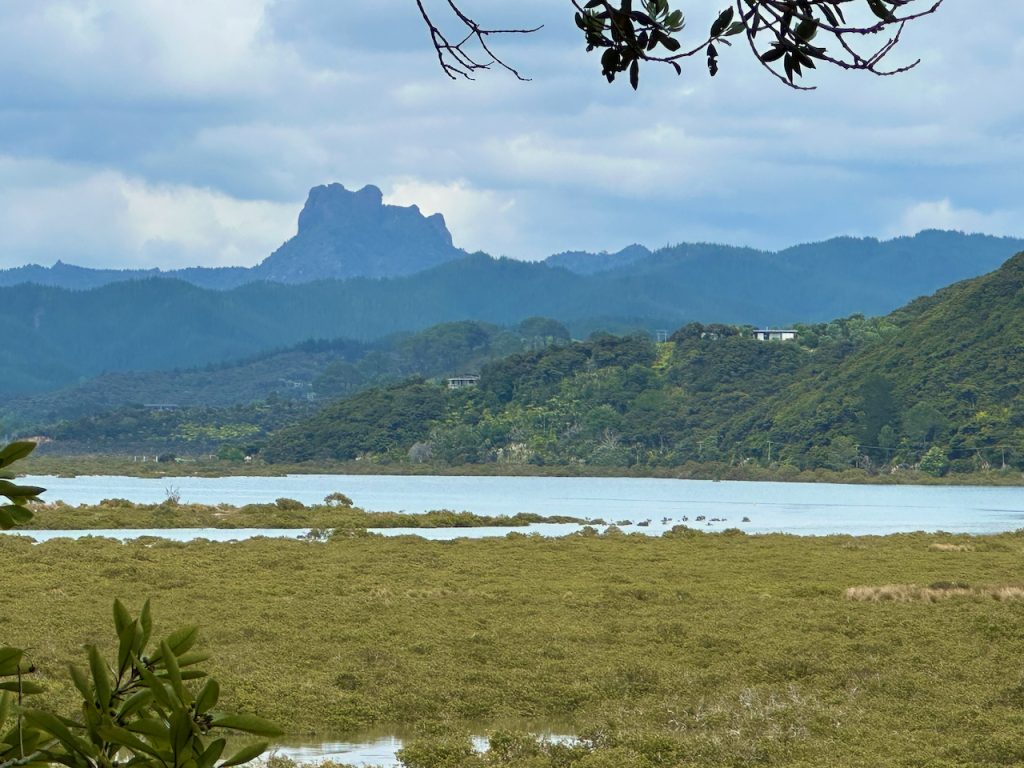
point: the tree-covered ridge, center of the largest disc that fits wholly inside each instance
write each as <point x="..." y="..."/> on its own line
<point x="241" y="402"/>
<point x="949" y="380"/>
<point x="160" y="324"/>
<point x="934" y="385"/>
<point x="608" y="401"/>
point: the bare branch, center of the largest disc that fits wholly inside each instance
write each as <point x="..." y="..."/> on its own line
<point x="459" y="59"/>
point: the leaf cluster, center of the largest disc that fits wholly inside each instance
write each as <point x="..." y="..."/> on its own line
<point x="783" y="34"/>
<point x="151" y="706"/>
<point x="16" y="511"/>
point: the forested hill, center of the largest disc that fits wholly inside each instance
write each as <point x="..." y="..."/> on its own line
<point x="312" y="372"/>
<point x="56" y="338"/>
<point x="936" y="384"/>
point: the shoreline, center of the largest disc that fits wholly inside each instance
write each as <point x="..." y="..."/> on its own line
<point x="107" y="466"/>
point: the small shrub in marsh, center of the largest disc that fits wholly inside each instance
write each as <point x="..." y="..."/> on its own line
<point x="337" y="499"/>
<point x="289" y="505"/>
<point x="940" y="585"/>
<point x="346" y="681"/>
<point x="509" y="746"/>
<point x="682" y="532"/>
<point x="440" y="753"/>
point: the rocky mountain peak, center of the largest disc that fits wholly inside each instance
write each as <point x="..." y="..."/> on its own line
<point x="344" y="234"/>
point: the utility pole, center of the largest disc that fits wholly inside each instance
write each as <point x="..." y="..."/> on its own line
<point x="769" y="451"/>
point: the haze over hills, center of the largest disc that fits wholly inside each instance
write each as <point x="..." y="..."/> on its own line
<point x="58" y="337"/>
<point x="359" y="269"/>
<point x="313" y="371"/>
<point x="341" y="234"/>
<point x="940" y="378"/>
<point x="344" y="234"/>
<point x="586" y="263"/>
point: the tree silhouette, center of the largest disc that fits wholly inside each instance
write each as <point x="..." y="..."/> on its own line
<point x="788" y="37"/>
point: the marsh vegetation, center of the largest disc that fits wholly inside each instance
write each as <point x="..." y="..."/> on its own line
<point x="689" y="649"/>
<point x="112" y="514"/>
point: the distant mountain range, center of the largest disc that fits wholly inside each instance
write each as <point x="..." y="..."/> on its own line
<point x="56" y="337"/>
<point x="344" y="235"/>
<point x="341" y="234"/>
<point x="361" y="270"/>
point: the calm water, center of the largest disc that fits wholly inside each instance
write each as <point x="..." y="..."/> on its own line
<point x="375" y="749"/>
<point x="797" y="508"/>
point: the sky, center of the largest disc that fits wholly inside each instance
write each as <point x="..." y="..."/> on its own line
<point x="142" y="133"/>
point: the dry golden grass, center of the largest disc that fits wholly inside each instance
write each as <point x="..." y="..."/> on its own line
<point x="951" y="548"/>
<point x="908" y="593"/>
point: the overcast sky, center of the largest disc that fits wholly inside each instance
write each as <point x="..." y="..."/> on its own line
<point x="179" y="132"/>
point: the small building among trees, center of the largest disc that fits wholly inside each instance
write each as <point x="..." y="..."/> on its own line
<point x="775" y="334"/>
<point x="461" y="382"/>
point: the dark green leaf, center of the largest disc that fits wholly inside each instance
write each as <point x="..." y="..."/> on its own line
<point x="100" y="677"/>
<point x="881" y="10"/>
<point x="806" y="30"/>
<point x="245" y="754"/>
<point x="207" y="698"/>
<point x="248" y="723"/>
<point x="24" y="687"/>
<point x="126" y="738"/>
<point x="15" y="451"/>
<point x="10" y="658"/>
<point x="722" y="22"/>
<point x="212" y="754"/>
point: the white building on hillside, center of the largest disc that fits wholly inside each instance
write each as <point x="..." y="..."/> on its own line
<point x="461" y="382"/>
<point x="775" y="334"/>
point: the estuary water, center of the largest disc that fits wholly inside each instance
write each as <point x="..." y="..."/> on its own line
<point x="796" y="508"/>
<point x="378" y="749"/>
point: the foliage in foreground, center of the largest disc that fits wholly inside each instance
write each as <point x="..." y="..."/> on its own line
<point x="147" y="708"/>
<point x="16" y="511"/>
<point x="144" y="709"/>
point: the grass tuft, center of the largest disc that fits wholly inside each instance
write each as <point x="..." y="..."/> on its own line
<point x="939" y="590"/>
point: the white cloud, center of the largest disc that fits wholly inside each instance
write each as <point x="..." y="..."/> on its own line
<point x="119" y="51"/>
<point x="105" y="218"/>
<point x="479" y="219"/>
<point x="179" y="105"/>
<point x="943" y="214"/>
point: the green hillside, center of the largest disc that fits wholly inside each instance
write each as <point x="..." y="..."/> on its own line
<point x="935" y="385"/>
<point x="61" y="338"/>
<point x="952" y="378"/>
<point x="200" y="409"/>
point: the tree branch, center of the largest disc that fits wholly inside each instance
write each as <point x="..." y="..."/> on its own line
<point x="778" y="32"/>
<point x="459" y="59"/>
